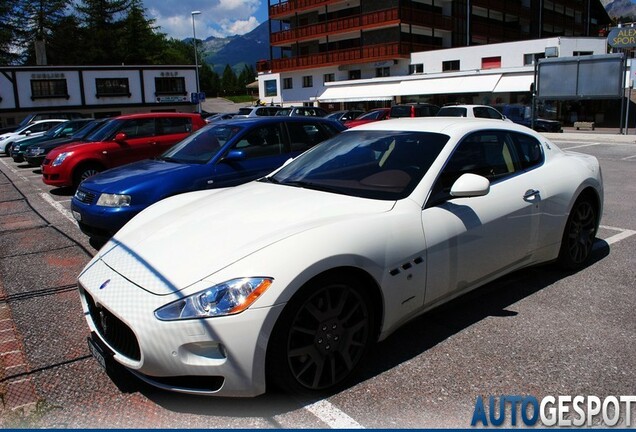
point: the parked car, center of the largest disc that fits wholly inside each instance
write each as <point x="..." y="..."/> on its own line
<point x="414" y="110"/>
<point x="369" y="117"/>
<point x="35" y="154"/>
<point x="121" y="140"/>
<point x="522" y="114"/>
<point x="474" y="111"/>
<point x="31" y="130"/>
<point x="289" y="280"/>
<point x="302" y="111"/>
<point x="226" y="153"/>
<point x="257" y="111"/>
<point x="30" y="118"/>
<point x="62" y="130"/>
<point x="219" y="116"/>
<point x="345" y="115"/>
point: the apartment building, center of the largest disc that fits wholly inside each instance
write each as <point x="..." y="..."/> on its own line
<point x="318" y="45"/>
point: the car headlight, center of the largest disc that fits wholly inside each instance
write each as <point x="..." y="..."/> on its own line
<point x="113" y="200"/>
<point x="226" y="298"/>
<point x="60" y="158"/>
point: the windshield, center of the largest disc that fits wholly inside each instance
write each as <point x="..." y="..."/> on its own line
<point x="106" y="132"/>
<point x="452" y="112"/>
<point x="86" y="129"/>
<point x="201" y="146"/>
<point x="371" y="115"/>
<point x="383" y="165"/>
<point x="55" y="130"/>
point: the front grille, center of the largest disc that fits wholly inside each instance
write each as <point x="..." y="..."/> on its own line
<point x="85" y="196"/>
<point x="118" y="335"/>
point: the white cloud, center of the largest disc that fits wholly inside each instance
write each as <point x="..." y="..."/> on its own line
<point x="220" y="18"/>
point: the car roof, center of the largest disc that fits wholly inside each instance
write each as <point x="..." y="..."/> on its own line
<point x="156" y="114"/>
<point x="275" y="119"/>
<point x="454" y="126"/>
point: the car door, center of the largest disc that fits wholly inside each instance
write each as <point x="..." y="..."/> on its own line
<point x="170" y="130"/>
<point x="472" y="240"/>
<point x="256" y="153"/>
<point x="138" y="143"/>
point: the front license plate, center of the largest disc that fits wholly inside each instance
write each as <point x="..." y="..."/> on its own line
<point x="96" y="352"/>
<point x="77" y="216"/>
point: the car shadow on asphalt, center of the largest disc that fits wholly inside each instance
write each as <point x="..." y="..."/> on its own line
<point x="409" y="341"/>
<point x="63" y="191"/>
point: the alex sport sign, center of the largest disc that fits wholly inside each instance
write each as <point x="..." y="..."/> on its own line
<point x="622" y="37"/>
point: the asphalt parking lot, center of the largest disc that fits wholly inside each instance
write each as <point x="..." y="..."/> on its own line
<point x="538" y="332"/>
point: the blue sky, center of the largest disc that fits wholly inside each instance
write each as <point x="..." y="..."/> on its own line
<point x="218" y="18"/>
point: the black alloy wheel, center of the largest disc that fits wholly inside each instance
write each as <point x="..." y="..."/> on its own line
<point x="579" y="235"/>
<point x="321" y="337"/>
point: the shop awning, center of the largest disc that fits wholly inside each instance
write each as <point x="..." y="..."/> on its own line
<point x="358" y="93"/>
<point x="514" y="83"/>
<point x="450" y="85"/>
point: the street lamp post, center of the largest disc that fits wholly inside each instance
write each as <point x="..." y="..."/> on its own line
<point x="196" y="58"/>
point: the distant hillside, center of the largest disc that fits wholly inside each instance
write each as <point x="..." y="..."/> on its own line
<point x="237" y="51"/>
<point x="625" y="9"/>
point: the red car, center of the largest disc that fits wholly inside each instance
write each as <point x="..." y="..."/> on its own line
<point x="119" y="141"/>
<point x="369" y="116"/>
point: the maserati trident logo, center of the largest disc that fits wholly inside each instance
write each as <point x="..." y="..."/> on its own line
<point x="105" y="284"/>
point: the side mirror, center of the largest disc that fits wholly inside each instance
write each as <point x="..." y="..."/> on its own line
<point x="27" y="133"/>
<point x="470" y="185"/>
<point x="235" y="155"/>
<point x="121" y="137"/>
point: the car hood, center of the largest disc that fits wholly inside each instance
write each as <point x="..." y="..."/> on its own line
<point x="185" y="239"/>
<point x="49" y="144"/>
<point x="137" y="175"/>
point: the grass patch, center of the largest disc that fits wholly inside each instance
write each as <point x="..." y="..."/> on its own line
<point x="241" y="98"/>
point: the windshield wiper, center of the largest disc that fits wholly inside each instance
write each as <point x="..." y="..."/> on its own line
<point x="268" y="180"/>
<point x="313" y="186"/>
<point x="168" y="159"/>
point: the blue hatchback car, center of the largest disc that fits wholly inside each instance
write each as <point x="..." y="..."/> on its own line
<point x="222" y="154"/>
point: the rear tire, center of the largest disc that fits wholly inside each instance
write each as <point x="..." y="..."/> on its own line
<point x="321" y="336"/>
<point x="579" y="235"/>
<point x="85" y="171"/>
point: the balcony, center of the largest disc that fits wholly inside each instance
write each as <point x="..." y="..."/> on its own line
<point x="370" y="53"/>
<point x="287" y="8"/>
<point x="361" y="22"/>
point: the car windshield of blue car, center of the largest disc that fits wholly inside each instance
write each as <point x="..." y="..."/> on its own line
<point x="201" y="146"/>
<point x="384" y="165"/>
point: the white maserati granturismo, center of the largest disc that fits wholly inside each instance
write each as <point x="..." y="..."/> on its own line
<point x="288" y="280"/>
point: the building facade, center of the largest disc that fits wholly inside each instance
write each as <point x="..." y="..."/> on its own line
<point x="95" y="91"/>
<point x="320" y="45"/>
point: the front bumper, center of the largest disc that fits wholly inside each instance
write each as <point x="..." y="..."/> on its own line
<point x="101" y="221"/>
<point x="227" y="352"/>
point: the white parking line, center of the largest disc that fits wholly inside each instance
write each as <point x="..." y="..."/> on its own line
<point x="629" y="157"/>
<point x="332" y="416"/>
<point x="581" y="146"/>
<point x="57" y="206"/>
<point x="622" y="235"/>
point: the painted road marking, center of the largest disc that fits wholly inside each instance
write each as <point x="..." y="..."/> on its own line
<point x="332" y="416"/>
<point x="57" y="206"/>
<point x="622" y="235"/>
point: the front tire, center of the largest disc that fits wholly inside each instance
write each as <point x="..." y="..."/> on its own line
<point x="84" y="172"/>
<point x="321" y="336"/>
<point x="579" y="235"/>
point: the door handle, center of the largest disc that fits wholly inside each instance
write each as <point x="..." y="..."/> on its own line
<point x="531" y="194"/>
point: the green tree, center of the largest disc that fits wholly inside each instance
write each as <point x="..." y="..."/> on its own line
<point x="10" y="13"/>
<point x="139" y="41"/>
<point x="40" y="19"/>
<point x="102" y="26"/>
<point x="229" y="82"/>
<point x="245" y="77"/>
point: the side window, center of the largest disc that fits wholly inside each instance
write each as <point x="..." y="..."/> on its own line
<point x="487" y="153"/>
<point x="174" y="125"/>
<point x="529" y="149"/>
<point x="261" y="142"/>
<point x="493" y="113"/>
<point x="139" y="128"/>
<point x="303" y="136"/>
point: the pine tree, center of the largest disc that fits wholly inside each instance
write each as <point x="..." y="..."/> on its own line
<point x="10" y="14"/>
<point x="140" y="43"/>
<point x="102" y="26"/>
<point x="228" y="82"/>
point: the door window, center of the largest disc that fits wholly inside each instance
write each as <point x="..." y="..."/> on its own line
<point x="261" y="142"/>
<point x="139" y="128"/>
